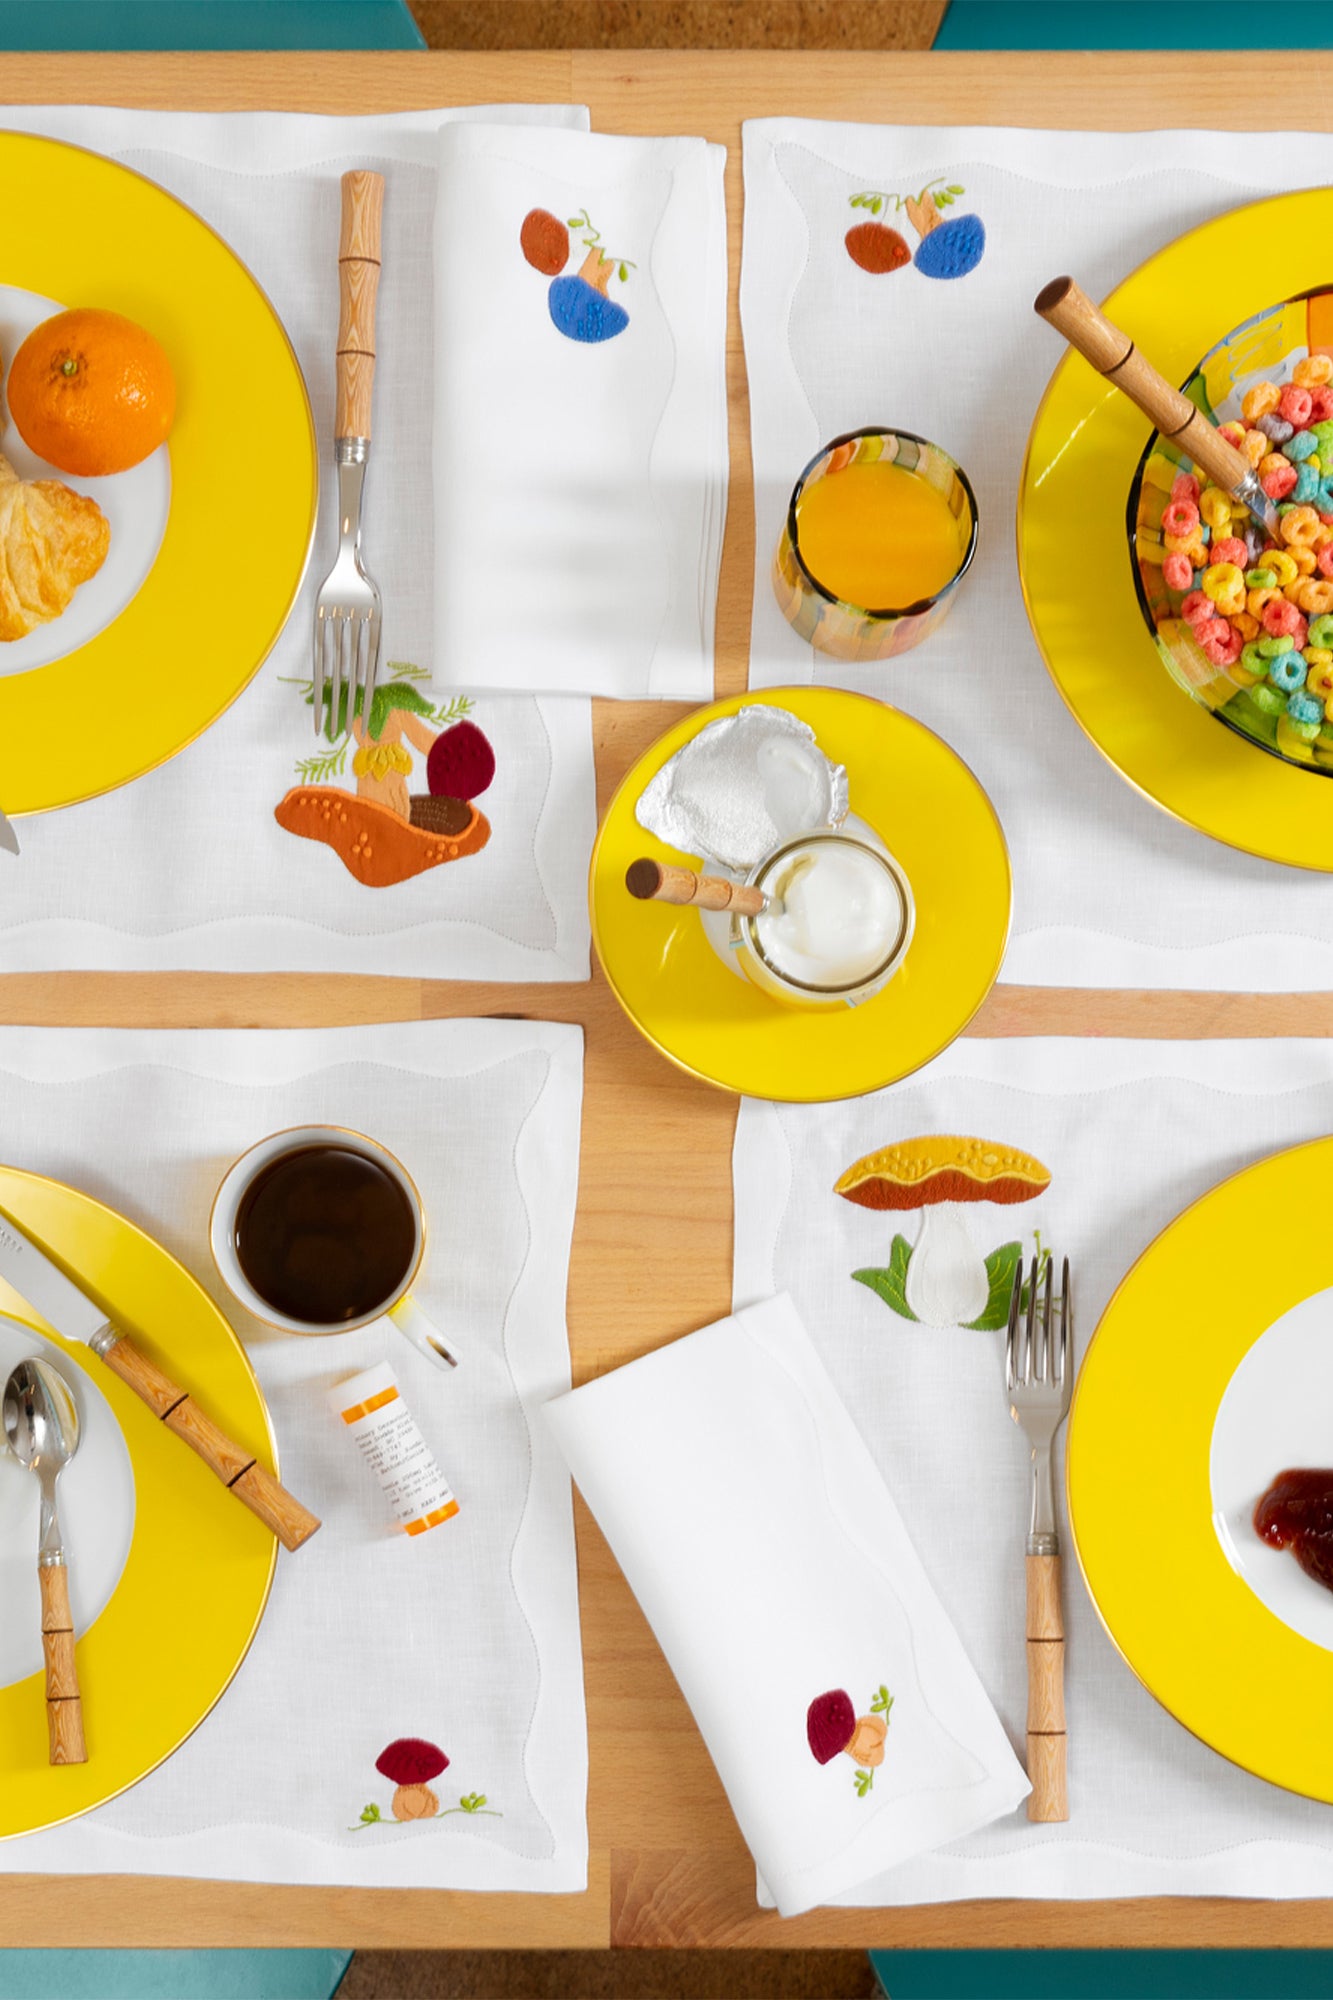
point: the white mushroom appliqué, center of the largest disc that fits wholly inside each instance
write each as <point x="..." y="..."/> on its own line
<point x="944" y="1280"/>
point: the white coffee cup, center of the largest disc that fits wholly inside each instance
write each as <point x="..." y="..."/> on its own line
<point x="400" y="1308"/>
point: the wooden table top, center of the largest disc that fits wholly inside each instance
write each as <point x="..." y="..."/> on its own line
<point x="667" y="1866"/>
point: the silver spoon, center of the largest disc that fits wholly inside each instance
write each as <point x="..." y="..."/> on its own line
<point x="42" y="1425"/>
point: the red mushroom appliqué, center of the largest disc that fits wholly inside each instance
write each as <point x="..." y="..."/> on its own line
<point x="833" y="1728"/>
<point x="409" y="1763"/>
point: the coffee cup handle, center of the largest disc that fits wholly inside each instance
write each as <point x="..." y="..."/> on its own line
<point x="423" y="1333"/>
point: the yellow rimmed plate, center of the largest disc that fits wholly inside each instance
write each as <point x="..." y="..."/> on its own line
<point x="930" y="811"/>
<point x="195" y="1583"/>
<point x="81" y="230"/>
<point x="1143" y="1457"/>
<point x="1073" y="547"/>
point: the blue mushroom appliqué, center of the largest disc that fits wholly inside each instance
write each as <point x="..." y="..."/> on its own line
<point x="946" y="250"/>
<point x="580" y="304"/>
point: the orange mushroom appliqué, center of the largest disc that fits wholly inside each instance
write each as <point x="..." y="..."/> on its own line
<point x="943" y="1280"/>
<point x="409" y="1763"/>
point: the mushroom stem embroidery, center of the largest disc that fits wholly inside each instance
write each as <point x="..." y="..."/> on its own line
<point x="409" y="1764"/>
<point x="833" y="1727"/>
<point x="946" y="249"/>
<point x="944" y="1280"/>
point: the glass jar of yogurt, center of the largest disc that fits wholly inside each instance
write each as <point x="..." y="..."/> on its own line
<point x="837" y="926"/>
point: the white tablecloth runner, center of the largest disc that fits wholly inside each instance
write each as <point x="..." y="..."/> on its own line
<point x="1131" y="1132"/>
<point x="1107" y="889"/>
<point x="188" y="867"/>
<point x="467" y="1636"/>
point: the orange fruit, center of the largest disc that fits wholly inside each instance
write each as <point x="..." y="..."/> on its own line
<point x="91" y="392"/>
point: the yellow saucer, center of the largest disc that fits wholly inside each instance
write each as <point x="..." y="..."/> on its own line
<point x="1140" y="1498"/>
<point x="1073" y="545"/>
<point x="930" y="812"/>
<point x="197" y="1578"/>
<point x="81" y="229"/>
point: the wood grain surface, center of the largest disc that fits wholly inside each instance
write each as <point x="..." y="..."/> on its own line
<point x="668" y="1866"/>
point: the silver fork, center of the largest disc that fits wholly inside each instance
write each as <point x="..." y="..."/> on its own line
<point x="1039" y="1381"/>
<point x="347" y="610"/>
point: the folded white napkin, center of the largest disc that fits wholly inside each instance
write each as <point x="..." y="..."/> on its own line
<point x="580" y="420"/>
<point x="466" y="1636"/>
<point x="763" y="1546"/>
<point x="188" y="867"/>
<point x="1108" y="890"/>
<point x="1131" y="1133"/>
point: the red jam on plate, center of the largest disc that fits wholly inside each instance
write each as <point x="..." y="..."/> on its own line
<point x="1296" y="1513"/>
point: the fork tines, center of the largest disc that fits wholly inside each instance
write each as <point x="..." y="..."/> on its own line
<point x="347" y="650"/>
<point x="1034" y="1353"/>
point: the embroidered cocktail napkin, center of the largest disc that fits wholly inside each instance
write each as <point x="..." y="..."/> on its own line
<point x="191" y="866"/>
<point x="581" y="420"/>
<point x="1117" y="1138"/>
<point x="924" y="319"/>
<point x="846" y="1724"/>
<point x="466" y="1637"/>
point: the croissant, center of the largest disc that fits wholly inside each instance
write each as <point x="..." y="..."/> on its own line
<point x="51" y="540"/>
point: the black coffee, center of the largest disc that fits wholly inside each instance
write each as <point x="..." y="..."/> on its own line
<point x="325" y="1235"/>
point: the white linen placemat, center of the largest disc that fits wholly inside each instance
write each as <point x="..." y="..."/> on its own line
<point x="1131" y="1132"/>
<point x="188" y="867"/>
<point x="1107" y="889"/>
<point x="774" y="1569"/>
<point x="467" y="1636"/>
<point x="581" y="425"/>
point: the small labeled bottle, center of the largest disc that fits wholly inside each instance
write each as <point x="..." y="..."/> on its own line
<point x="386" y="1435"/>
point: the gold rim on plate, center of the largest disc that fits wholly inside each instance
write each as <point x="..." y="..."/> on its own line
<point x="1074" y="560"/>
<point x="194" y="1588"/>
<point x="244" y="480"/>
<point x="1138" y="1482"/>
<point x="933" y="815"/>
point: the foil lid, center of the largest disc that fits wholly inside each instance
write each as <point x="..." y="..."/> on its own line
<point x="743" y="786"/>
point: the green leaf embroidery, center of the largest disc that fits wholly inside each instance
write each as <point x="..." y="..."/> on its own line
<point x="369" y="1816"/>
<point x="890" y="1284"/>
<point x="473" y="1803"/>
<point x="322" y="769"/>
<point x="882" y="1703"/>
<point x="955" y="190"/>
<point x="1000" y="1268"/>
<point x="624" y="272"/>
<point x="875" y="207"/>
<point x="863" y="1781"/>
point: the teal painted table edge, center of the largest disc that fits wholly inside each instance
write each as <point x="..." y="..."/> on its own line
<point x="1104" y="1975"/>
<point x="70" y="25"/>
<point x="172" y="1975"/>
<point x="1129" y="24"/>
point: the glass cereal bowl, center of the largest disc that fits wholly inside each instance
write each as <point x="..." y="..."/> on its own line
<point x="1267" y="670"/>
<point x="816" y="611"/>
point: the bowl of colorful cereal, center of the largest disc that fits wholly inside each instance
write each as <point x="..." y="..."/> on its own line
<point x="1244" y="620"/>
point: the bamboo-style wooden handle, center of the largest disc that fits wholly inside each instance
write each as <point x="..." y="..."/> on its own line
<point x="64" y="1706"/>
<point x="1049" y="1797"/>
<point x="235" y="1467"/>
<point x="358" y="284"/>
<point x="653" y="881"/>
<point x="1113" y="354"/>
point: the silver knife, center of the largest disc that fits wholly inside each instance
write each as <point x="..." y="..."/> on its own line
<point x="64" y="1305"/>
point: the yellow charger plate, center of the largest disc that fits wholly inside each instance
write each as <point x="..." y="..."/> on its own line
<point x="85" y="231"/>
<point x="197" y="1578"/>
<point x="1140" y="1498"/>
<point x="930" y="811"/>
<point x="1073" y="545"/>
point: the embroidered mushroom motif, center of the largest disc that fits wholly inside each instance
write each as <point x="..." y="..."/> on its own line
<point x="946" y="249"/>
<point x="408" y="1763"/>
<point x="832" y="1727"/>
<point x="944" y="1280"/>
<point x="580" y="303"/>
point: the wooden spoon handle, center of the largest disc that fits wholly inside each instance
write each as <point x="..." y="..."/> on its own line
<point x="653" y="881"/>
<point x="1113" y="354"/>
<point x="1049" y="1797"/>
<point x="237" y="1468"/>
<point x="358" y="284"/>
<point x="64" y="1705"/>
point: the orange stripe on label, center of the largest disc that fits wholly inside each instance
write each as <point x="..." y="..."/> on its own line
<point x="420" y="1526"/>
<point x="359" y="1410"/>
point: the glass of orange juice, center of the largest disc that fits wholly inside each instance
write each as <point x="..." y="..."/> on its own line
<point x="879" y="533"/>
